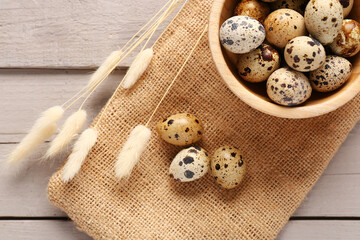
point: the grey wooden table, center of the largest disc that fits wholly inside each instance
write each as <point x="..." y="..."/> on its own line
<point x="48" y="48"/>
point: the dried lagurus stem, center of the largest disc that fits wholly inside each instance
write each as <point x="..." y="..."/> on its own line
<point x="140" y="135"/>
<point x="44" y="127"/>
<point x="138" y="67"/>
<point x="132" y="150"/>
<point x="70" y="129"/>
<point x="81" y="149"/>
<point x="105" y="69"/>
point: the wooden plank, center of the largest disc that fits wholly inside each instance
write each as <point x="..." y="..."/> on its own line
<point x="318" y="230"/>
<point x="294" y="230"/>
<point x="347" y="159"/>
<point x="333" y="195"/>
<point x="41" y="230"/>
<point x="23" y="191"/>
<point x="69" y="34"/>
<point x="26" y="93"/>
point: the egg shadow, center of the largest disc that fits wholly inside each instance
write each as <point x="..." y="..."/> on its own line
<point x="229" y="195"/>
<point x="187" y="189"/>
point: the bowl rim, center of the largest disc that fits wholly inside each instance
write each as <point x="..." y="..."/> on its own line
<point x="347" y="92"/>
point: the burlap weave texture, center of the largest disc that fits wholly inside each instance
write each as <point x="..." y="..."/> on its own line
<point x="285" y="157"/>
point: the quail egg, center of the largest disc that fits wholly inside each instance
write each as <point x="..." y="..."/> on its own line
<point x="347" y="6"/>
<point x="228" y="167"/>
<point x="323" y="19"/>
<point x="332" y="75"/>
<point x="283" y="25"/>
<point x="189" y="164"/>
<point x="288" y="87"/>
<point x="241" y="34"/>
<point x="304" y="54"/>
<point x="347" y="43"/>
<point x="181" y="129"/>
<point x="297" y="5"/>
<point x="256" y="66"/>
<point x="253" y="8"/>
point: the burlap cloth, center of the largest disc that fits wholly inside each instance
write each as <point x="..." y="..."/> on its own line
<point x="285" y="157"/>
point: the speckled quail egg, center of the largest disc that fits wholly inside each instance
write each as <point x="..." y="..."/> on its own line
<point x="189" y="164"/>
<point x="228" y="167"/>
<point x="297" y="5"/>
<point x="253" y="8"/>
<point x="332" y="75"/>
<point x="304" y="54"/>
<point x="256" y="66"/>
<point x="323" y="19"/>
<point x="181" y="129"/>
<point x="241" y="34"/>
<point x="288" y="87"/>
<point x="347" y="6"/>
<point x="283" y="25"/>
<point x="347" y="43"/>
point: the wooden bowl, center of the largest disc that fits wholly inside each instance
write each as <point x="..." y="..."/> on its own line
<point x="254" y="94"/>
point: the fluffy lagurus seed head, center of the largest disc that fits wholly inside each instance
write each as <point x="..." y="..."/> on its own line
<point x="50" y="116"/>
<point x="256" y="66"/>
<point x="304" y="54"/>
<point x="132" y="150"/>
<point x="44" y="127"/>
<point x="228" y="166"/>
<point x="181" y="129"/>
<point x="323" y="19"/>
<point x="81" y="149"/>
<point x="288" y="87"/>
<point x="105" y="69"/>
<point x="332" y="75"/>
<point x="241" y="34"/>
<point x="31" y="142"/>
<point x="189" y="164"/>
<point x="70" y="129"/>
<point x="137" y="68"/>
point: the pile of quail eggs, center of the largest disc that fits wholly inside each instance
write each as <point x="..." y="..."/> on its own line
<point x="312" y="36"/>
<point x="227" y="164"/>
